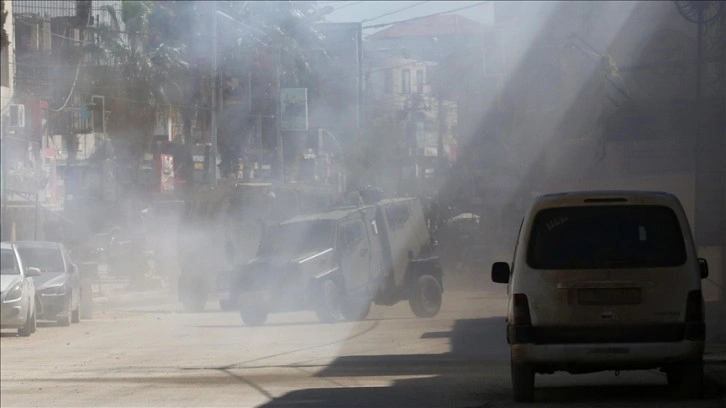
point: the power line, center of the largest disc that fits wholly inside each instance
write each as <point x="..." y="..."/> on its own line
<point x="73" y="87"/>
<point x="426" y="16"/>
<point x="348" y="4"/>
<point x="393" y="12"/>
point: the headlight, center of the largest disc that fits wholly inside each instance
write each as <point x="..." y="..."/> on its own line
<point x="15" y="293"/>
<point x="54" y="290"/>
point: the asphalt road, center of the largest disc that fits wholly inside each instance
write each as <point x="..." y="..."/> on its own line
<point x="159" y="356"/>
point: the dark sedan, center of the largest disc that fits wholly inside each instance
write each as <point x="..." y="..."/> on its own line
<point x="58" y="288"/>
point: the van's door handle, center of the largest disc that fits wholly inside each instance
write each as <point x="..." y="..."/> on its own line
<point x="363" y="251"/>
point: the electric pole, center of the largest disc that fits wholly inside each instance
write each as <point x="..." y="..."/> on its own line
<point x="215" y="73"/>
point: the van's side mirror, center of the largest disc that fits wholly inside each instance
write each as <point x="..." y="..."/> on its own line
<point x="500" y="272"/>
<point x="32" y="272"/>
<point x="703" y="267"/>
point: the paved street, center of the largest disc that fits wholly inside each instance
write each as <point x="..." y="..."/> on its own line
<point x="156" y="355"/>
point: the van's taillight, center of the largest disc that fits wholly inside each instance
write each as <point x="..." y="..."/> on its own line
<point x="520" y="312"/>
<point x="695" y="306"/>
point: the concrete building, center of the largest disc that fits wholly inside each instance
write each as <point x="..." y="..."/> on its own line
<point x="605" y="103"/>
<point x="401" y="98"/>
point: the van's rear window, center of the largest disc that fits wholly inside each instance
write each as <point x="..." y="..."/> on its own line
<point x="606" y="237"/>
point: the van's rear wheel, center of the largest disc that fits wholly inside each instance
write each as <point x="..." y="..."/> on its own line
<point x="687" y="378"/>
<point x="523" y="382"/>
<point x="425" y="296"/>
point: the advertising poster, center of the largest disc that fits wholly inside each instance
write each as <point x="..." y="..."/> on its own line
<point x="166" y="167"/>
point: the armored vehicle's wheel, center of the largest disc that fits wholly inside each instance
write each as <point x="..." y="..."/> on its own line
<point x="425" y="296"/>
<point x="193" y="295"/>
<point x="328" y="305"/>
<point x="65" y="319"/>
<point x="253" y="315"/>
<point x="355" y="310"/>
<point x="76" y="314"/>
<point x="523" y="382"/>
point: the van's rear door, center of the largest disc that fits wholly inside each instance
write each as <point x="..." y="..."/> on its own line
<point x="605" y="265"/>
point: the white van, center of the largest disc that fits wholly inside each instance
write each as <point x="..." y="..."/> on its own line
<point x="605" y="280"/>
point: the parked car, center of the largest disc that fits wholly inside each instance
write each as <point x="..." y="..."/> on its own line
<point x="605" y="281"/>
<point x="18" y="292"/>
<point x="59" y="285"/>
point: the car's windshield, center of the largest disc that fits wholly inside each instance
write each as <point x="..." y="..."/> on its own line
<point x="298" y="238"/>
<point x="606" y="237"/>
<point x="9" y="266"/>
<point x="45" y="259"/>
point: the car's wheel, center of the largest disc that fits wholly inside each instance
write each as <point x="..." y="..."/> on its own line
<point x="87" y="302"/>
<point x="355" y="310"/>
<point x="328" y="306"/>
<point x="35" y="321"/>
<point x="27" y="328"/>
<point x="425" y="296"/>
<point x="522" y="382"/>
<point x="76" y="314"/>
<point x="687" y="378"/>
<point x="65" y="319"/>
<point x="253" y="315"/>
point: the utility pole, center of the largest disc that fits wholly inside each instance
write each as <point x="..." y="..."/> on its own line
<point x="215" y="71"/>
<point x="278" y="124"/>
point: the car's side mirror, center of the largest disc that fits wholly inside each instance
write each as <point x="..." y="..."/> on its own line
<point x="703" y="267"/>
<point x="500" y="272"/>
<point x="32" y="272"/>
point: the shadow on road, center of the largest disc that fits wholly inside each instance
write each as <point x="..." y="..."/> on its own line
<point x="477" y="345"/>
<point x="479" y="353"/>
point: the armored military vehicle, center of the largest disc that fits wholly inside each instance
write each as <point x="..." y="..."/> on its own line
<point x="221" y="228"/>
<point x="338" y="262"/>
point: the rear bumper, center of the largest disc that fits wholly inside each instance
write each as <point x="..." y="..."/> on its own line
<point x="607" y="355"/>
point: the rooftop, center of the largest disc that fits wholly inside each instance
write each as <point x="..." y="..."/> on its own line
<point x="445" y="24"/>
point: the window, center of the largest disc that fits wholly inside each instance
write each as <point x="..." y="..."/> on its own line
<point x="397" y="215"/>
<point x="406" y="81"/>
<point x="430" y="72"/>
<point x="388" y="80"/>
<point x="419" y="81"/>
<point x="606" y="237"/>
<point x="351" y="234"/>
<point x="8" y="266"/>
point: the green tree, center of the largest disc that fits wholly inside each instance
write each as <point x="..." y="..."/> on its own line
<point x="142" y="79"/>
<point x="4" y="42"/>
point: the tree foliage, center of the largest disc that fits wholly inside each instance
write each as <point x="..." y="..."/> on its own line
<point x="143" y="79"/>
<point x="4" y="42"/>
<point x="161" y="54"/>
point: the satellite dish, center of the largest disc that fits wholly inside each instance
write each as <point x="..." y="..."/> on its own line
<point x="699" y="11"/>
